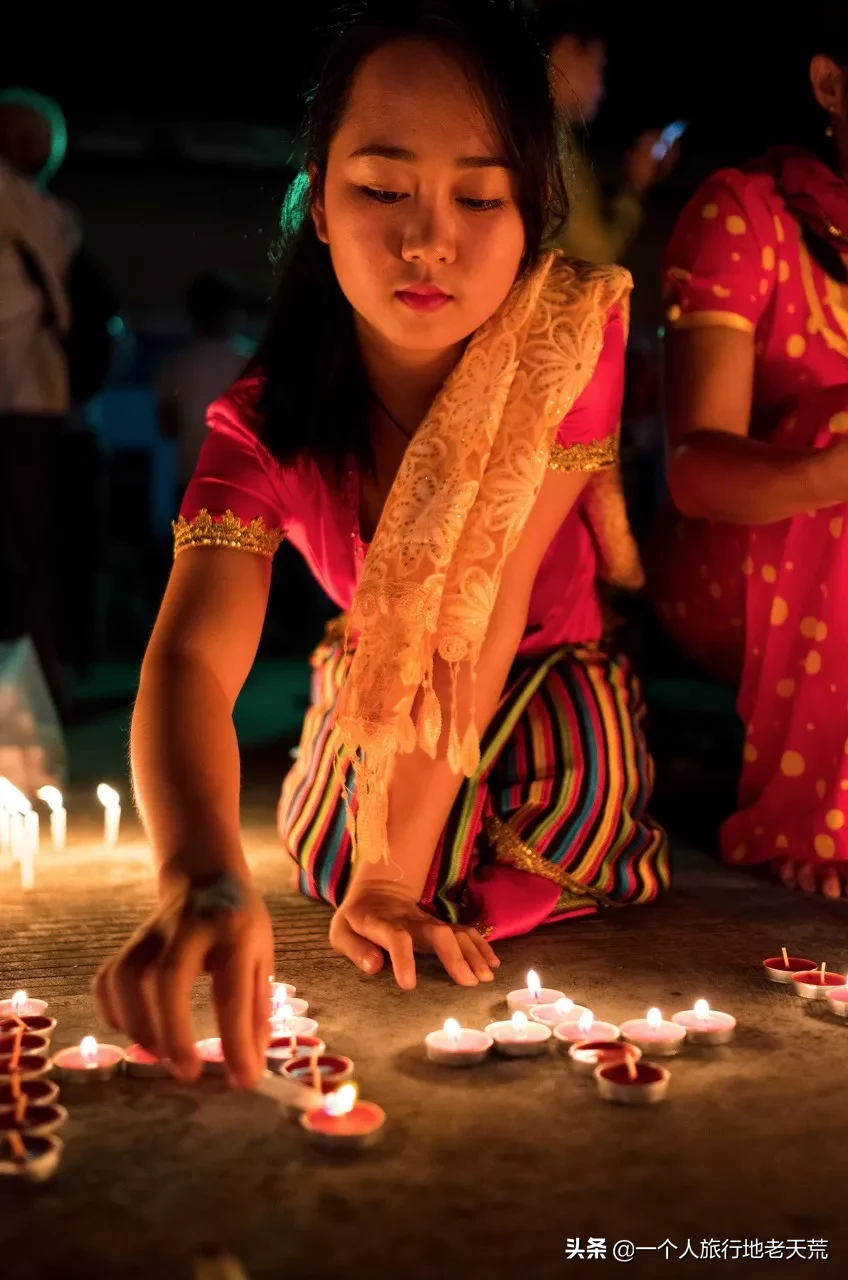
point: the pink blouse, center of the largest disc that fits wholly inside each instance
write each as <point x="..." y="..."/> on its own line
<point x="236" y="473"/>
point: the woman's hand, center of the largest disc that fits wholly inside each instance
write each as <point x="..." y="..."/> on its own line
<point x="145" y="990"/>
<point x="382" y="916"/>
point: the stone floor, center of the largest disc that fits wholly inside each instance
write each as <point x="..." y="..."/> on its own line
<point x="479" y="1172"/>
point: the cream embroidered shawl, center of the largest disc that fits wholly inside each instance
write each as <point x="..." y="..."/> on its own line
<point x="460" y="500"/>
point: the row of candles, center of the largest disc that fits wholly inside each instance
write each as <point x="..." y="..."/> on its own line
<point x="20" y="825"/>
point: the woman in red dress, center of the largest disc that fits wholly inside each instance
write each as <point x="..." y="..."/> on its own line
<point x="751" y="581"/>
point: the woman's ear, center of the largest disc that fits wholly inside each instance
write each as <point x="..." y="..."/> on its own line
<point x="828" y="81"/>
<point x="316" y="205"/>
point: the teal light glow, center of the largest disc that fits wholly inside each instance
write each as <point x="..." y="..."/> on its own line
<point x="51" y="112"/>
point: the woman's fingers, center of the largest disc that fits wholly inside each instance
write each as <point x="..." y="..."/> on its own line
<point x="233" y="989"/>
<point x="483" y="947"/>
<point x="102" y="988"/>
<point x="399" y="946"/>
<point x="174" y="978"/>
<point x="261" y="1008"/>
<point x="474" y="957"/>
<point x="447" y="947"/>
<point x="347" y="942"/>
<point x="129" y="985"/>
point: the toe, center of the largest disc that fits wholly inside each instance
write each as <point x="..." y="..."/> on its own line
<point x="831" y="883"/>
<point x="807" y="879"/>
<point x="784" y="869"/>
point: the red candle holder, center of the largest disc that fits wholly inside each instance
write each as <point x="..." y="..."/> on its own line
<point x="643" y="1083"/>
<point x="42" y="1155"/>
<point x="280" y="1050"/>
<point x="587" y="1055"/>
<point x="37" y="1091"/>
<point x="30" y="1043"/>
<point x="37" y="1023"/>
<point x="359" y="1127"/>
<point x="143" y="1065"/>
<point x="814" y="985"/>
<point x="37" y="1119"/>
<point x="777" y="970"/>
<point x="29" y="1066"/>
<point x="333" y="1069"/>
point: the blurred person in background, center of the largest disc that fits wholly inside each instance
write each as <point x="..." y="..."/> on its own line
<point x="201" y="372"/>
<point x="751" y="572"/>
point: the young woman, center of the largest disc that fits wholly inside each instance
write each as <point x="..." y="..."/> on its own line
<point x="752" y="580"/>
<point x="427" y="421"/>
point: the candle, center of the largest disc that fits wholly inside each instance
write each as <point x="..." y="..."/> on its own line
<point x="814" y="984"/>
<point x="705" y="1025"/>
<point x="586" y="1055"/>
<point x="533" y="994"/>
<point x="52" y="797"/>
<point x="282" y="1049"/>
<point x="21" y="1004"/>
<point x="280" y="992"/>
<point x="32" y="1118"/>
<point x="88" y="1062"/>
<point x="321" y="1071"/>
<point x="35" y="1022"/>
<point x="38" y="1091"/>
<point x="211" y="1053"/>
<point x="30" y="1042"/>
<point x="587" y="1027"/>
<point x="285" y="1023"/>
<point x="344" y="1121"/>
<point x="456" y="1046"/>
<point x="143" y="1065"/>
<point x="519" y="1038"/>
<point x="289" y="1008"/>
<point x="26" y="1066"/>
<point x="653" y="1034"/>
<point x="34" y="1159"/>
<point x="552" y="1015"/>
<point x="783" y="967"/>
<point x="22" y="831"/>
<point x="111" y="802"/>
<point x="632" y="1082"/>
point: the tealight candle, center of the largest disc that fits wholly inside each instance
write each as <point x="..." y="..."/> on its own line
<point x="282" y="1049"/>
<point x="33" y="1118"/>
<point x="814" y="984"/>
<point x="30" y="1043"/>
<point x="321" y="1071"/>
<point x="39" y="1091"/>
<point x="143" y="1065"/>
<point x="552" y="1015"/>
<point x="281" y="992"/>
<point x="22" y="1004"/>
<point x="705" y="1025"/>
<point x="290" y="1025"/>
<point x="519" y="1038"/>
<point x="837" y="1000"/>
<point x="456" y="1046"/>
<point x="31" y="1158"/>
<point x="111" y="802"/>
<point x="211" y="1053"/>
<point x="289" y="1007"/>
<point x="533" y="994"/>
<point x="37" y="1023"/>
<point x="586" y="1055"/>
<point x="654" y="1034"/>
<point x="344" y="1121"/>
<point x="782" y="968"/>
<point x="632" y="1082"/>
<point x="587" y="1027"/>
<point x="24" y="1066"/>
<point x="88" y="1062"/>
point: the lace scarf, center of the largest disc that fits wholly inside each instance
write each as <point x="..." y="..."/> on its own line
<point x="458" y="505"/>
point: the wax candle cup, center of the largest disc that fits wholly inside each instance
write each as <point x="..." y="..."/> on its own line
<point x="32" y="1158"/>
<point x="291" y="1026"/>
<point x="36" y="1119"/>
<point x="29" y="1042"/>
<point x="781" y="969"/>
<point x="533" y="994"/>
<point x="519" y="1038"/>
<point x="143" y="1065"/>
<point x="634" y="1083"/>
<point x="344" y="1121"/>
<point x="88" y="1062"/>
<point x="281" y="993"/>
<point x="456" y="1046"/>
<point x="704" y="1025"/>
<point x="38" y="1090"/>
<point x="837" y="1000"/>
<point x="211" y="1054"/>
<point x="22" y="1004"/>
<point x="281" y="1049"/>
<point x="587" y="1027"/>
<point x="323" y="1071"/>
<point x="814" y="984"/>
<point x="29" y="1066"/>
<point x="560" y="1011"/>
<point x="587" y="1055"/>
<point x="290" y="1007"/>
<point x="34" y="1022"/>
<point x="653" y="1034"/>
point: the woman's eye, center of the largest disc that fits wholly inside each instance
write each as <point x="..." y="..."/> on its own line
<point x="381" y="196"/>
<point x="481" y="206"/>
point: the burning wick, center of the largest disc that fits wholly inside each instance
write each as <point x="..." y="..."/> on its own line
<point x="534" y="985"/>
<point x="654" y="1017"/>
<point x="520" y="1022"/>
<point x="702" y="1010"/>
<point x="453" y="1030"/>
<point x="88" y="1051"/>
<point x="19" y="1000"/>
<point x="111" y="802"/>
<point x="52" y="797"/>
<point x="584" y="1022"/>
<point x="564" y="1006"/>
<point x="341" y="1101"/>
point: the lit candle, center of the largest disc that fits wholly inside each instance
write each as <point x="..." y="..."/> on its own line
<point x="321" y="1071"/>
<point x="587" y="1027"/>
<point x="284" y="1006"/>
<point x="587" y="1055"/>
<point x="519" y="1038"/>
<point x="111" y="802"/>
<point x="88" y="1062"/>
<point x="653" y="1034"/>
<point x="782" y="968"/>
<point x="344" y="1120"/>
<point x="632" y="1082"/>
<point x="285" y="1023"/>
<point x="23" y="830"/>
<point x="22" y="1005"/>
<point x="31" y="1158"/>
<point x="52" y="797"/>
<point x="533" y="994"/>
<point x="211" y="1053"/>
<point x="143" y="1065"/>
<point x="34" y="1022"/>
<point x="552" y="1015"/>
<point x="814" y="984"/>
<point x="456" y="1046"/>
<point x="281" y="992"/>
<point x="705" y="1025"/>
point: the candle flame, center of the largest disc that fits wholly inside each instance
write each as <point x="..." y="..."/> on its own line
<point x="563" y="1006"/>
<point x="13" y="799"/>
<point x="341" y="1101"/>
<point x="88" y="1049"/>
<point x="283" y="1014"/>
<point x="534" y="985"/>
<point x="520" y="1023"/>
<point x="52" y="797"/>
<point x="585" y="1021"/>
<point x="19" y="999"/>
<point x="279" y="999"/>
<point x="108" y="796"/>
<point x="702" y="1009"/>
<point x="453" y="1030"/>
<point x="654" y="1017"/>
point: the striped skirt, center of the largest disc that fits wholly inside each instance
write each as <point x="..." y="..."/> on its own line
<point x="554" y="822"/>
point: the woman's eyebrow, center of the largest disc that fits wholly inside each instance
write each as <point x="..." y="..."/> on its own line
<point x="382" y="151"/>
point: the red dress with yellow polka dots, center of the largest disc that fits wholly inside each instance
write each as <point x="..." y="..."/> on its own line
<point x="767" y="606"/>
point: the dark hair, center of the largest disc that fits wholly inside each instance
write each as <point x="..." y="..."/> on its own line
<point x="212" y="294"/>
<point x="558" y="19"/>
<point x="314" y="400"/>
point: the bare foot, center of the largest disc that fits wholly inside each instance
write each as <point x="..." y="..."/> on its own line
<point x="832" y="882"/>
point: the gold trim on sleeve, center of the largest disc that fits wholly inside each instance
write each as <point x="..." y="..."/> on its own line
<point x="226" y="531"/>
<point x="711" y="319"/>
<point x="511" y="851"/>
<point x="596" y="455"/>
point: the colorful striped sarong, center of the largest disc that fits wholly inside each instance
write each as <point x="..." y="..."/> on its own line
<point x="552" y="825"/>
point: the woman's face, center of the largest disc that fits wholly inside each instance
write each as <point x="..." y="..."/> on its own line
<point x="419" y="209"/>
